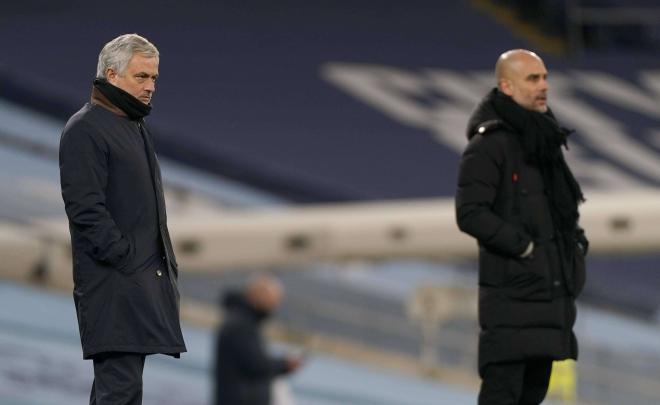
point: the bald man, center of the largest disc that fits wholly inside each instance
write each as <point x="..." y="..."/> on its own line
<point x="244" y="369"/>
<point x="518" y="198"/>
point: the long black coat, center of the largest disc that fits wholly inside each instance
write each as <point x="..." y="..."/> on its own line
<point x="526" y="306"/>
<point x="244" y="371"/>
<point x="124" y="270"/>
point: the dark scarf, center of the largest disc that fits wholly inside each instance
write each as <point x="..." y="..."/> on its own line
<point x="134" y="108"/>
<point x="541" y="139"/>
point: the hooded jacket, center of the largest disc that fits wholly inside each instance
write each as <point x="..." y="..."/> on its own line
<point x="124" y="270"/>
<point x="526" y="305"/>
<point x="244" y="369"/>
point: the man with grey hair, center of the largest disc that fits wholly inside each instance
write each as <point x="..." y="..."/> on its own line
<point x="519" y="199"/>
<point x="124" y="268"/>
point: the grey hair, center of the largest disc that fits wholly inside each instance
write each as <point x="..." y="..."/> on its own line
<point x="117" y="53"/>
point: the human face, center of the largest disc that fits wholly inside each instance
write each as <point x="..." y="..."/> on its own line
<point x="139" y="77"/>
<point x="265" y="294"/>
<point x="527" y="83"/>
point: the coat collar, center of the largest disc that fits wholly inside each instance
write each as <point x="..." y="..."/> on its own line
<point x="99" y="99"/>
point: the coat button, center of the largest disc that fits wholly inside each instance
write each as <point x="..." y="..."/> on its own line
<point x="556" y="283"/>
<point x="159" y="273"/>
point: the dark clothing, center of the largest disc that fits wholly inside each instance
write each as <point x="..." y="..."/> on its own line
<point x="518" y="383"/>
<point x="124" y="269"/>
<point x="117" y="379"/>
<point x="542" y="139"/>
<point x="244" y="369"/>
<point x="526" y="306"/>
<point x="128" y="105"/>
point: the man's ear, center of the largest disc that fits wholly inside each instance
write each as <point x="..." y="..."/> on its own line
<point x="111" y="75"/>
<point x="506" y="87"/>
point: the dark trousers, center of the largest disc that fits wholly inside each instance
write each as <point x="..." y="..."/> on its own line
<point x="117" y="379"/>
<point x="519" y="383"/>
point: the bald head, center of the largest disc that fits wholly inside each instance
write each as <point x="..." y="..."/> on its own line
<point x="511" y="62"/>
<point x="264" y="292"/>
<point x="521" y="74"/>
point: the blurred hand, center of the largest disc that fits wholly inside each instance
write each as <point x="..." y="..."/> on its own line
<point x="294" y="362"/>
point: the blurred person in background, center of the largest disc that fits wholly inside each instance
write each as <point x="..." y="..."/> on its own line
<point x="124" y="269"/>
<point x="244" y="370"/>
<point x="518" y="198"/>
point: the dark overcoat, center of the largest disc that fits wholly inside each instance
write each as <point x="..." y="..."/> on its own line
<point x="124" y="269"/>
<point x="244" y="370"/>
<point x="526" y="305"/>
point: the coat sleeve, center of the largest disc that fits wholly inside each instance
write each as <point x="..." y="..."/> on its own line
<point x="581" y="240"/>
<point x="480" y="175"/>
<point x="83" y="178"/>
<point x="251" y="356"/>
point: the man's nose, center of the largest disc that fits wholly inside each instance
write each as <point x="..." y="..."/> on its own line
<point x="150" y="86"/>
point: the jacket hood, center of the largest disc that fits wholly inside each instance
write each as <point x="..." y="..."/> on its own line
<point x="484" y="112"/>
<point x="235" y="301"/>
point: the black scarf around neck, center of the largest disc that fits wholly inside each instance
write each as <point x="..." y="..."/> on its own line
<point x="134" y="108"/>
<point x="542" y="138"/>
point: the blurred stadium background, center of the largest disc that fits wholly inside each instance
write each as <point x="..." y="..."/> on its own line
<point x="319" y="140"/>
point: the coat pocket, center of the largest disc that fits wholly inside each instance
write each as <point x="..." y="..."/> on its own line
<point x="528" y="279"/>
<point x="127" y="266"/>
<point x="491" y="268"/>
